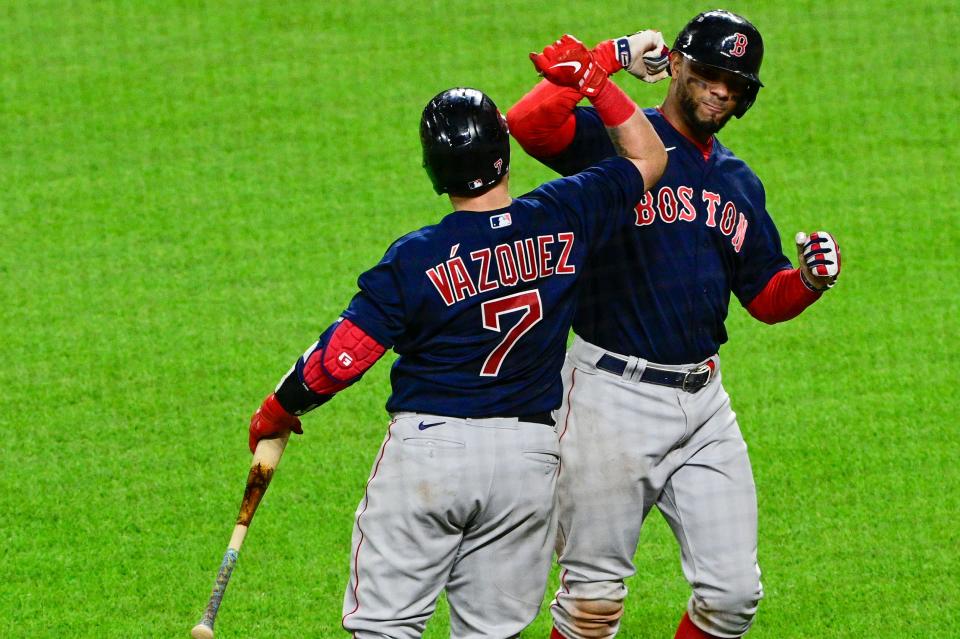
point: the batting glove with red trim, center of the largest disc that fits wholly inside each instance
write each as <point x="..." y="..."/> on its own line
<point x="819" y="256"/>
<point x="271" y="420"/>
<point x="568" y="63"/>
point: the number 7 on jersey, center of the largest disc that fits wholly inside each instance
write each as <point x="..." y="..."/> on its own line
<point x="528" y="301"/>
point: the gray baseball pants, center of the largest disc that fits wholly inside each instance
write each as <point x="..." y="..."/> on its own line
<point x="466" y="505"/>
<point x="627" y="446"/>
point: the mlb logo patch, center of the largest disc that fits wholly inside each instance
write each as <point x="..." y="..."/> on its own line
<point x="499" y="221"/>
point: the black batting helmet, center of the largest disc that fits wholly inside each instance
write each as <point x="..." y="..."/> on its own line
<point x="466" y="144"/>
<point x="726" y="41"/>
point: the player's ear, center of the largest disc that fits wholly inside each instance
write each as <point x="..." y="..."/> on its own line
<point x="676" y="62"/>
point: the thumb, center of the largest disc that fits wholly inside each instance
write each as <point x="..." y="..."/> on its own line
<point x="660" y="56"/>
<point x="800" y="239"/>
<point x="297" y="428"/>
<point x="538" y="61"/>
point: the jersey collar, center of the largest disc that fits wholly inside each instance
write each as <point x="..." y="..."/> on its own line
<point x="705" y="149"/>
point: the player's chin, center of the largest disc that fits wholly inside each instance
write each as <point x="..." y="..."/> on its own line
<point x="712" y="120"/>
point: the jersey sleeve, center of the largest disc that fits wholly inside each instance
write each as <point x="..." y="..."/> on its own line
<point x="379" y="308"/>
<point x="370" y="325"/>
<point x="761" y="256"/>
<point x="590" y="144"/>
<point x="597" y="199"/>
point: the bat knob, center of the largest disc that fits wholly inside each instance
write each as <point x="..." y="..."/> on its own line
<point x="202" y="631"/>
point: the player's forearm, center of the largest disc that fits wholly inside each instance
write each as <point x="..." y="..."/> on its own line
<point x="338" y="359"/>
<point x="784" y="297"/>
<point x="543" y="121"/>
<point x="631" y="133"/>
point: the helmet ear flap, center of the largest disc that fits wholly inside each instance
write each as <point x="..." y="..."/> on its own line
<point x="747" y="99"/>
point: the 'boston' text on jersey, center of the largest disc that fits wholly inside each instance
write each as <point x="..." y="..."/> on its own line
<point x="673" y="205"/>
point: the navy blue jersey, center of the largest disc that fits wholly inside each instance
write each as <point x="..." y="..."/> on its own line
<point x="661" y="290"/>
<point x="479" y="305"/>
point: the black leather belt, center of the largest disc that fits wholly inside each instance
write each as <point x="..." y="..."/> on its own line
<point x="690" y="381"/>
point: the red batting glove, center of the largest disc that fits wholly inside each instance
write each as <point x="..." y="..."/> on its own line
<point x="605" y="54"/>
<point x="271" y="420"/>
<point x="568" y="63"/>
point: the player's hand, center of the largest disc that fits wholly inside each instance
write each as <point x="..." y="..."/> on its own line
<point x="570" y="64"/>
<point x="643" y="54"/>
<point x="271" y="420"/>
<point x="819" y="256"/>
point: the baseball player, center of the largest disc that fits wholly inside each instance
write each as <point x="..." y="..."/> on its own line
<point x="645" y="419"/>
<point x="478" y="307"/>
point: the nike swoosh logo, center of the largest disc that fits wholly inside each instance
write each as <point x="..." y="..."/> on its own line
<point x="426" y="426"/>
<point x="670" y="148"/>
<point x="574" y="64"/>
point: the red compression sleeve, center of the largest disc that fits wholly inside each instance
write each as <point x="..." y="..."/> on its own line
<point x="542" y="121"/>
<point x="613" y="105"/>
<point x="784" y="297"/>
<point x="346" y="355"/>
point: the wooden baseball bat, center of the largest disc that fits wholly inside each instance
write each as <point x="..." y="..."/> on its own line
<point x="265" y="460"/>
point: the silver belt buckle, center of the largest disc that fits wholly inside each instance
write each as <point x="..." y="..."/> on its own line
<point x="687" y="386"/>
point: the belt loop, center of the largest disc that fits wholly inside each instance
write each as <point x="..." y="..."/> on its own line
<point x="641" y="367"/>
<point x="635" y="368"/>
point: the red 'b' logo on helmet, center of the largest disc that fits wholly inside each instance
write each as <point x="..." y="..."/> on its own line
<point x="739" y="45"/>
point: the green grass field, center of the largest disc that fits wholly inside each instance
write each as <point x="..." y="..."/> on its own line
<point x="189" y="189"/>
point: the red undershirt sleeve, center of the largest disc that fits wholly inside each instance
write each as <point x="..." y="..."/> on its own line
<point x="784" y="297"/>
<point x="543" y="121"/>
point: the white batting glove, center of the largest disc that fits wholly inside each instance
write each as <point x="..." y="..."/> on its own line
<point x="644" y="54"/>
<point x="819" y="256"/>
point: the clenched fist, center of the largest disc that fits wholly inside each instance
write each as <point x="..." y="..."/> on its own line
<point x="644" y="55"/>
<point x="819" y="257"/>
<point x="570" y="64"/>
<point x="271" y="420"/>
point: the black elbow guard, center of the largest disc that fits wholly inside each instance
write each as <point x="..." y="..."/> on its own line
<point x="294" y="396"/>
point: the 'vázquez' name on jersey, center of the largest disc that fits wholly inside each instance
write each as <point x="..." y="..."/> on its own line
<point x="505" y="265"/>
